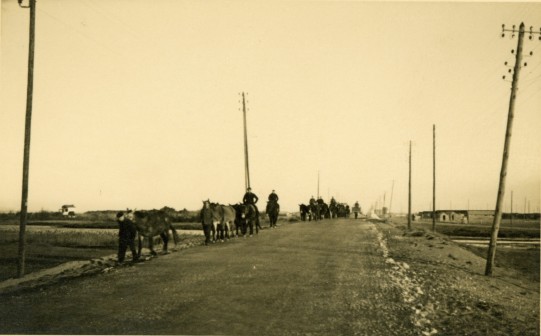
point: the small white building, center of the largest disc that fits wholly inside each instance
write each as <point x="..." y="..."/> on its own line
<point x="68" y="210"/>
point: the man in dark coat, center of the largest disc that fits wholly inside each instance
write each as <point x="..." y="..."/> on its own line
<point x="126" y="237"/>
<point x="333" y="201"/>
<point x="251" y="198"/>
<point x="273" y="198"/>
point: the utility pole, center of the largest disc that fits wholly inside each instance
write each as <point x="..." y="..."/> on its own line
<point x="409" y="192"/>
<point x="318" y="184"/>
<point x="27" y="131"/>
<point x="524" y="213"/>
<point x="511" y="207"/>
<point x="391" y="200"/>
<point x="503" y="172"/>
<point x="246" y="165"/>
<point x="434" y="177"/>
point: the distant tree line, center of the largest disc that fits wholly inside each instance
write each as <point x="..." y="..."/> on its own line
<point x="182" y="216"/>
<point x="530" y="216"/>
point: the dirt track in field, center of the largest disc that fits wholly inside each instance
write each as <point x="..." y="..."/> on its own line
<point x="339" y="277"/>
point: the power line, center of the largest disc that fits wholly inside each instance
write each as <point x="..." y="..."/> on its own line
<point x="78" y="31"/>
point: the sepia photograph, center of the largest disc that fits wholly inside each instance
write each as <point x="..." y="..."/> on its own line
<point x="273" y="167"/>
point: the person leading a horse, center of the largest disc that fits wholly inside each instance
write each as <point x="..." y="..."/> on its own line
<point x="251" y="198"/>
<point x="126" y="237"/>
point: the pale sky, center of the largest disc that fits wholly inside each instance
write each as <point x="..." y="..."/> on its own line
<point x="136" y="103"/>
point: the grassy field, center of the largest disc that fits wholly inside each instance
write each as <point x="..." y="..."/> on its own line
<point x="523" y="258"/>
<point x="50" y="243"/>
<point x="522" y="229"/>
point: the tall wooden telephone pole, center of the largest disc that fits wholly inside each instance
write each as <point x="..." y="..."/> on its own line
<point x="246" y="164"/>
<point x="409" y="192"/>
<point x="511" y="207"/>
<point x="505" y="158"/>
<point x="391" y="201"/>
<point x="434" y="178"/>
<point x="318" y="184"/>
<point x="27" y="129"/>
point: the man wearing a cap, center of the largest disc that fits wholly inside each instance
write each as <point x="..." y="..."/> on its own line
<point x="273" y="197"/>
<point x="251" y="198"/>
<point x="126" y="237"/>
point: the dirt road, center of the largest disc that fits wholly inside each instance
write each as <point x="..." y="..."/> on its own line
<point x="326" y="278"/>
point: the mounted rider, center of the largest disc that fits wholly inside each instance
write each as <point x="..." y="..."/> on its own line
<point x="312" y="201"/>
<point x="333" y="201"/>
<point x="273" y="198"/>
<point x="251" y="199"/>
<point x="356" y="209"/>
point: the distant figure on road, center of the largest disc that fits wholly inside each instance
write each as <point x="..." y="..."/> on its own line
<point x="356" y="209"/>
<point x="251" y="199"/>
<point x="126" y="237"/>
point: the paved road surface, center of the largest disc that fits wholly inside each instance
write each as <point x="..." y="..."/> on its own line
<point x="324" y="278"/>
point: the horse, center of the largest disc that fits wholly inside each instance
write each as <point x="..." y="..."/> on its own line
<point x="248" y="218"/>
<point x="203" y="215"/>
<point x="304" y="210"/>
<point x="238" y="217"/>
<point x="228" y="220"/>
<point x="216" y="228"/>
<point x="343" y="210"/>
<point x="273" y="209"/>
<point x="333" y="210"/>
<point x="150" y="224"/>
<point x="314" y="211"/>
<point x="324" y="211"/>
<point x="223" y="219"/>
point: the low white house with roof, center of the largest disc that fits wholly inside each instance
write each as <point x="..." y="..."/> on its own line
<point x="68" y="210"/>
